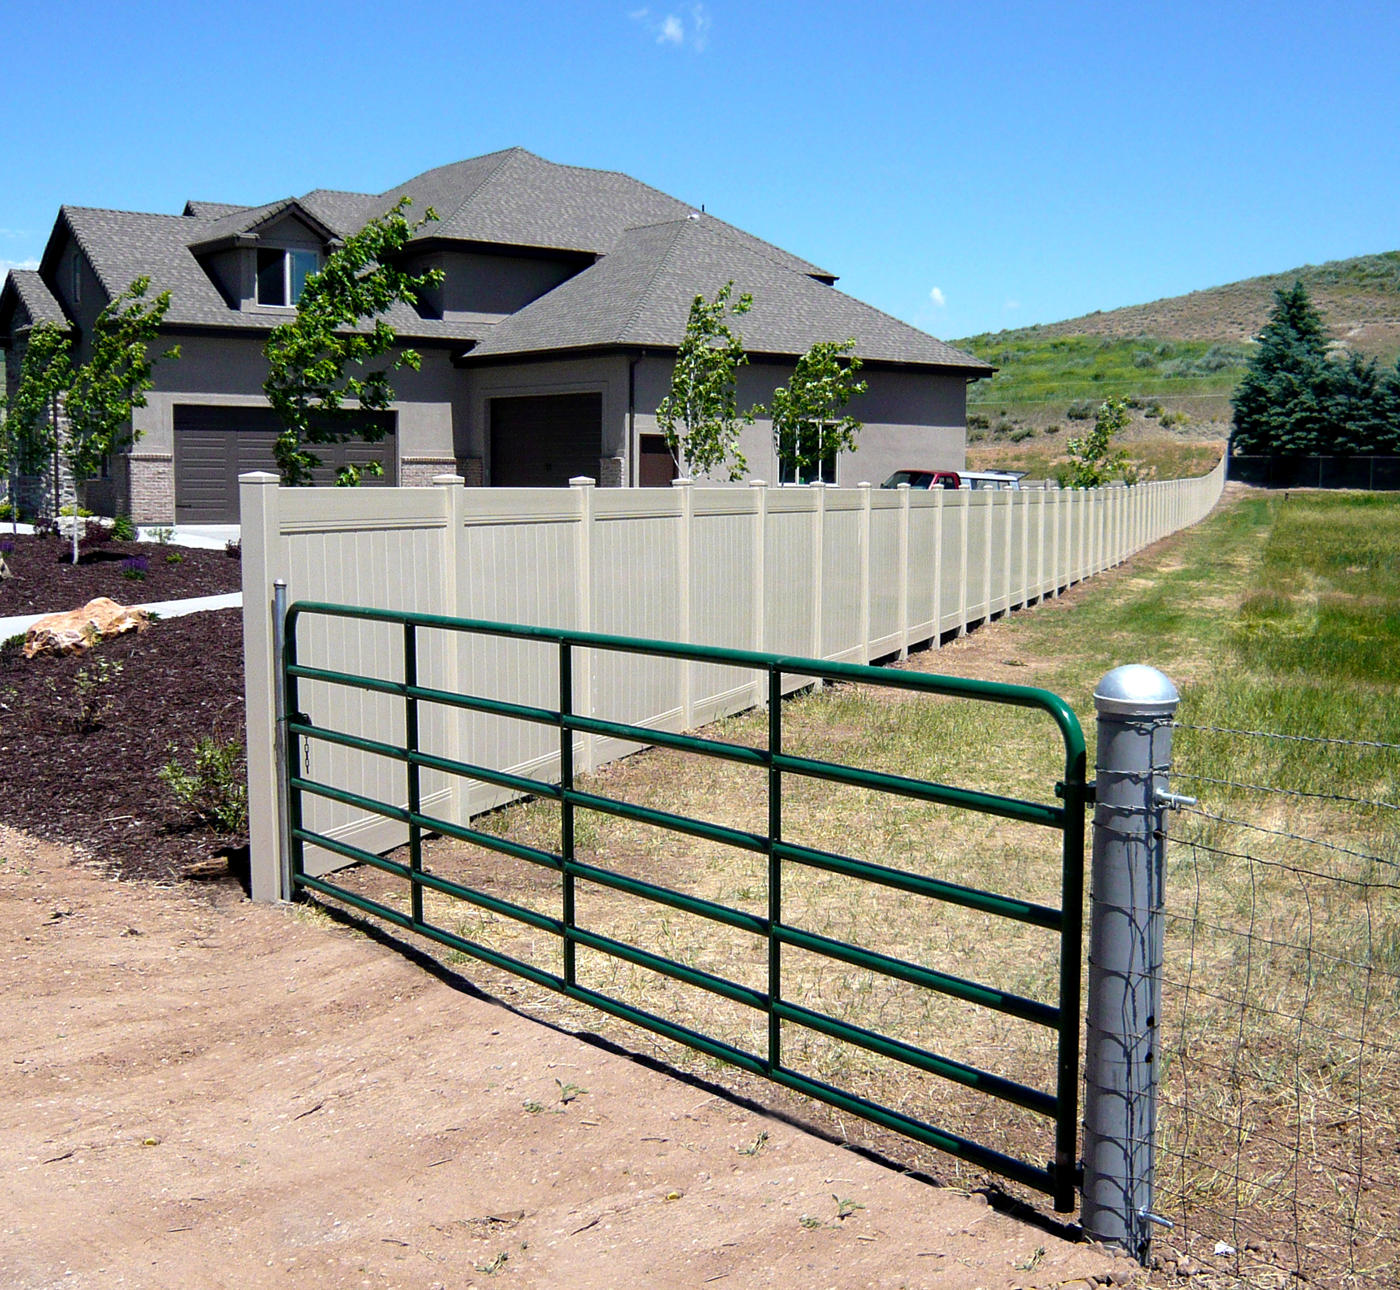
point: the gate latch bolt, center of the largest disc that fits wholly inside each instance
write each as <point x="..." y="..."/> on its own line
<point x="1172" y="801"/>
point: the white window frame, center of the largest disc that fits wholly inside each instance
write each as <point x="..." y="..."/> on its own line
<point x="287" y="254"/>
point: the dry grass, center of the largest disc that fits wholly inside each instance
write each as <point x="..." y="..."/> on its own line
<point x="1278" y="1131"/>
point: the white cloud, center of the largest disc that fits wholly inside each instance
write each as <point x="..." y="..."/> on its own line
<point x="7" y="265"/>
<point x="936" y="295"/>
<point x="1012" y="304"/>
<point x="699" y="27"/>
<point x="676" y="28"/>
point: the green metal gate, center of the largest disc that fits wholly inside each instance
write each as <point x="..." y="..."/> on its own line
<point x="1057" y="1177"/>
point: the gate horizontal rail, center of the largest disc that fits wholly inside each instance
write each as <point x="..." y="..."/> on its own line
<point x="1058" y="1177"/>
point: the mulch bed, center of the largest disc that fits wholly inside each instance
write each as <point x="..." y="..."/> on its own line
<point x="44" y="582"/>
<point x="179" y="680"/>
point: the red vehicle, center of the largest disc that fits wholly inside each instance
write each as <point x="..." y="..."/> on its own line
<point x="924" y="479"/>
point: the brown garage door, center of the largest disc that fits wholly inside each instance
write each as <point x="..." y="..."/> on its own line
<point x="214" y="445"/>
<point x="545" y="440"/>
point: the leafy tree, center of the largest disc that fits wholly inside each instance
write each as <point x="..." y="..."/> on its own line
<point x="112" y="382"/>
<point x="808" y="426"/>
<point x="699" y="417"/>
<point x="1093" y="459"/>
<point x="307" y="382"/>
<point x="28" y="433"/>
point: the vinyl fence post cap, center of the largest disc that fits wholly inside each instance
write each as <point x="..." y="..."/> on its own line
<point x="1136" y="690"/>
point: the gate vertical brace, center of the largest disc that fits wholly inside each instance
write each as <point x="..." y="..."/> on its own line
<point x="1135" y="706"/>
<point x="775" y="867"/>
<point x="566" y="807"/>
<point x="283" y="772"/>
<point x="415" y="778"/>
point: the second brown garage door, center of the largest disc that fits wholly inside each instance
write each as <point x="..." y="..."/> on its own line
<point x="214" y="445"/>
<point x="543" y="441"/>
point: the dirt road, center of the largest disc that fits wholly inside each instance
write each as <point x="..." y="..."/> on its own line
<point x="201" y="1092"/>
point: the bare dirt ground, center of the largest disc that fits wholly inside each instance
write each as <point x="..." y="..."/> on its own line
<point x="199" y="1091"/>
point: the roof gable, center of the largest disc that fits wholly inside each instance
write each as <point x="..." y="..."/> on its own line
<point x="26" y="302"/>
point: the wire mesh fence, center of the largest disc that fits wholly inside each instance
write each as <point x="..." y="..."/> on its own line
<point x="1278" y="1154"/>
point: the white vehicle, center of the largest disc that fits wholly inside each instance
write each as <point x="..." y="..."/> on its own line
<point x="993" y="479"/>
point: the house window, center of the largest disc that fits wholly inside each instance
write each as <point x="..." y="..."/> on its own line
<point x="76" y="283"/>
<point x="282" y="275"/>
<point x="824" y="470"/>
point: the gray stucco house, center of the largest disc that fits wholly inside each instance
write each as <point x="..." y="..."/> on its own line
<point x="546" y="350"/>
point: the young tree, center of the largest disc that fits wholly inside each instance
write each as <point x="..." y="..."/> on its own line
<point x="699" y="416"/>
<point x="1093" y="459"/>
<point x="28" y="433"/>
<point x="112" y="382"/>
<point x="307" y="382"/>
<point x="808" y="426"/>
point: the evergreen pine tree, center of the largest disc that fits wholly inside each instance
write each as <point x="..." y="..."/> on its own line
<point x="1279" y="403"/>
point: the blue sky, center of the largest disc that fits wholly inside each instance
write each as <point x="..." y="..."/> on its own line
<point x="964" y="167"/>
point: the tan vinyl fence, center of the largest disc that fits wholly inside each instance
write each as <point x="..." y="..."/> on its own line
<point x="843" y="574"/>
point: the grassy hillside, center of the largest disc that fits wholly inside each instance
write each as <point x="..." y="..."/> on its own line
<point x="1176" y="361"/>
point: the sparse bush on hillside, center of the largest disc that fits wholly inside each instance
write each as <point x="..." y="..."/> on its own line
<point x="1022" y="434"/>
<point x="1174" y="417"/>
<point x="1153" y="408"/>
<point x="1080" y="410"/>
<point x="1144" y="358"/>
<point x="976" y="421"/>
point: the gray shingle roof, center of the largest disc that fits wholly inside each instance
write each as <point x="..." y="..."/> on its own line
<point x="35" y="298"/>
<point x="654" y="259"/>
<point x="640" y="295"/>
<point x="124" y="245"/>
<point x="211" y="210"/>
<point x="518" y="199"/>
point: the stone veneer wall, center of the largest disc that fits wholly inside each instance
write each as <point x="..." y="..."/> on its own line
<point x="419" y="472"/>
<point x="147" y="493"/>
<point x="610" y="472"/>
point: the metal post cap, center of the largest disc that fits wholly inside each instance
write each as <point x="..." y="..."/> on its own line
<point x="1136" y="690"/>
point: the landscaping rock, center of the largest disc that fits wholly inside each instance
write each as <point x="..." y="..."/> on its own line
<point x="79" y="629"/>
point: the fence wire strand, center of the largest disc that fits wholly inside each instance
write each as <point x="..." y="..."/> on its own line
<point x="1279" y="1139"/>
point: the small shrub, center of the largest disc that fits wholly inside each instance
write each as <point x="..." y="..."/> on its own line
<point x="83" y="512"/>
<point x="1153" y="409"/>
<point x="174" y="557"/>
<point x="1144" y="358"/>
<point x="1024" y="433"/>
<point x="163" y="535"/>
<point x="91" y="695"/>
<point x="1174" y="417"/>
<point x="1080" y="410"/>
<point x="123" y="530"/>
<point x="976" y="421"/>
<point x="215" y="789"/>
<point x="233" y="548"/>
<point x="136" y="568"/>
<point x="976" y="436"/>
<point x="95" y="534"/>
<point x="1053" y="428"/>
<point x="7" y="512"/>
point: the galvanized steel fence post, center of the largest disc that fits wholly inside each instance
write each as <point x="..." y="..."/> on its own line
<point x="1135" y="706"/>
